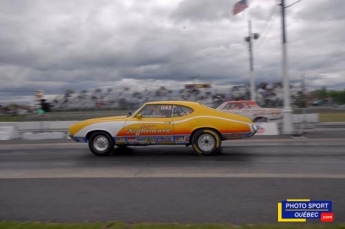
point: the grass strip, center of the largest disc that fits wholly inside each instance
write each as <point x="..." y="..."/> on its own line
<point x="12" y="118"/>
<point x="121" y="225"/>
<point x="332" y="117"/>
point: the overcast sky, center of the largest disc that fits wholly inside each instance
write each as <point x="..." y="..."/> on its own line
<point x="81" y="44"/>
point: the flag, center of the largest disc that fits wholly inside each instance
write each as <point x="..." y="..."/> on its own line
<point x="240" y="6"/>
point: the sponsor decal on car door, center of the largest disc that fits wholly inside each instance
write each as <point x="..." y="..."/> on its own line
<point x="154" y="126"/>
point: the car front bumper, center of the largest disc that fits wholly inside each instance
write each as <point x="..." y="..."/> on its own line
<point x="254" y="130"/>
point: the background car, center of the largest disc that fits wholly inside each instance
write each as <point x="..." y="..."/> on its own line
<point x="251" y="110"/>
<point x="164" y="122"/>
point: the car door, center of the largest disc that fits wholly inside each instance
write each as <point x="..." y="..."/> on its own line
<point x="257" y="111"/>
<point x="246" y="110"/>
<point x="184" y="124"/>
<point x="151" y="125"/>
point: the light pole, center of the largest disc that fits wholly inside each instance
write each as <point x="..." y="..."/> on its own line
<point x="249" y="39"/>
<point x="287" y="111"/>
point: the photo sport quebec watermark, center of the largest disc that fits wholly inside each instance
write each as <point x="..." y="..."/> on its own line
<point x="303" y="210"/>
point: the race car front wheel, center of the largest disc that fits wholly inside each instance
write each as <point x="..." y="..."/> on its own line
<point x="206" y="142"/>
<point x="101" y="143"/>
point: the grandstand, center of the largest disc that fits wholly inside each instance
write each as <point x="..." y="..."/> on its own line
<point x="267" y="95"/>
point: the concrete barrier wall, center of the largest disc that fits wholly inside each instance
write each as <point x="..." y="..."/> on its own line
<point x="64" y="125"/>
<point x="47" y="126"/>
<point x="12" y="132"/>
<point x="267" y="128"/>
<point x="307" y="118"/>
<point x="43" y="125"/>
<point x="45" y="135"/>
<point x="8" y="133"/>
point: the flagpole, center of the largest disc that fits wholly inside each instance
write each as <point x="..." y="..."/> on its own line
<point x="251" y="67"/>
<point x="238" y="7"/>
<point x="249" y="39"/>
<point x="250" y="47"/>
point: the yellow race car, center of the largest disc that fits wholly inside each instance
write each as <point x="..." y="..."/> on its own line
<point x="162" y="123"/>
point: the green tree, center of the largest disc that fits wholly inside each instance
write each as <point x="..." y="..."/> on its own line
<point x="320" y="93"/>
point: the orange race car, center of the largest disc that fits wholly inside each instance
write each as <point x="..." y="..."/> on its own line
<point x="164" y="122"/>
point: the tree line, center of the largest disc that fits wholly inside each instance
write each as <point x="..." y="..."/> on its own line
<point x="324" y="94"/>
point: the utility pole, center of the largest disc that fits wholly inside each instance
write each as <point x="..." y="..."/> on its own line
<point x="249" y="39"/>
<point x="304" y="101"/>
<point x="287" y="110"/>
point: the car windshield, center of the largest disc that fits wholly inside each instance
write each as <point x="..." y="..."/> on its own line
<point x="220" y="106"/>
<point x="202" y="104"/>
<point x="132" y="114"/>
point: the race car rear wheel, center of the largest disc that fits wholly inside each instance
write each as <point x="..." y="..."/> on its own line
<point x="206" y="142"/>
<point x="101" y="143"/>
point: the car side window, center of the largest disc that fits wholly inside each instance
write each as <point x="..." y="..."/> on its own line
<point x="232" y="106"/>
<point x="245" y="106"/>
<point x="226" y="107"/>
<point x="181" y="111"/>
<point x="156" y="111"/>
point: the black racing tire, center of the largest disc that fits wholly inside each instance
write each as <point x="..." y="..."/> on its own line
<point x="101" y="143"/>
<point x="206" y="142"/>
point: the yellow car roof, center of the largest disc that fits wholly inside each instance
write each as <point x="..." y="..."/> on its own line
<point x="190" y="103"/>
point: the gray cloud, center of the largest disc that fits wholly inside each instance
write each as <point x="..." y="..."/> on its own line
<point x="319" y="10"/>
<point x="203" y="10"/>
<point x="83" y="44"/>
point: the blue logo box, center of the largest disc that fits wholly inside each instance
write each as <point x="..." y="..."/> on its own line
<point x="311" y="209"/>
